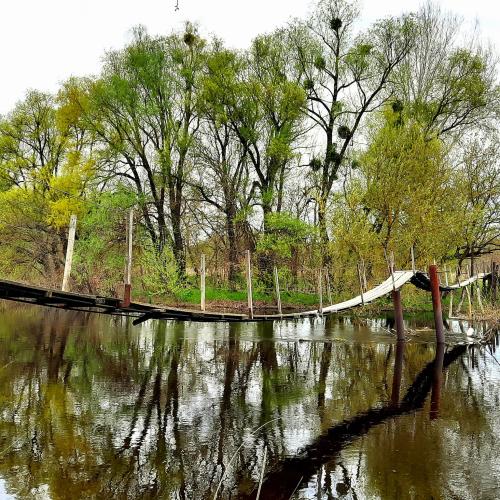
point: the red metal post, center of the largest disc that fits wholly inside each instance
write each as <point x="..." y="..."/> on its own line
<point x="398" y="314"/>
<point x="436" y="304"/>
<point x="127" y="295"/>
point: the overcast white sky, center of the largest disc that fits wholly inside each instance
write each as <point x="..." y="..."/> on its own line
<point x="43" y="42"/>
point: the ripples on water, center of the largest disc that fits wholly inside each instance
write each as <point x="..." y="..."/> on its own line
<point x="91" y="407"/>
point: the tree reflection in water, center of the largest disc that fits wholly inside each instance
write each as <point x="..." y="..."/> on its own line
<point x="95" y="408"/>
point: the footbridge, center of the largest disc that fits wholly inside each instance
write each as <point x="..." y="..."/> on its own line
<point x="21" y="292"/>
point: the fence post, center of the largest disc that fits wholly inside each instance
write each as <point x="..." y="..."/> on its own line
<point x="361" y="286"/>
<point x="320" y="291"/>
<point x="494" y="282"/>
<point x="436" y="304"/>
<point x="468" y="290"/>
<point x="69" y="253"/>
<point x="202" y="284"/>
<point x="413" y="260"/>
<point x="328" y="288"/>
<point x="450" y="314"/>
<point x="249" y="284"/>
<point x="128" y="266"/>
<point x="277" y="289"/>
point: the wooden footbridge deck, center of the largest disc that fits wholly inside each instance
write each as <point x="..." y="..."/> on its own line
<point x="19" y="292"/>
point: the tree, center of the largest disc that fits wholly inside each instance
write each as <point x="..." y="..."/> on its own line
<point x="346" y="77"/>
<point x="143" y="110"/>
<point x="44" y="172"/>
<point x="449" y="85"/>
<point x="223" y="180"/>
<point x="478" y="182"/>
<point x="407" y="188"/>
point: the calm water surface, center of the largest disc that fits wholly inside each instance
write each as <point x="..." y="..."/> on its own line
<point x="92" y="407"/>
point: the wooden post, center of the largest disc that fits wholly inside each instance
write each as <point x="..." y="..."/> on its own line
<point x="361" y="286"/>
<point x="329" y="290"/>
<point x="128" y="266"/>
<point x="320" y="291"/>
<point x="479" y="299"/>
<point x="390" y="265"/>
<point x="467" y="289"/>
<point x="277" y="290"/>
<point x="365" y="285"/>
<point x="249" y="285"/>
<point x="202" y="283"/>
<point x="450" y="314"/>
<point x="436" y="304"/>
<point x="69" y="253"/>
<point x="494" y="282"/>
<point x="413" y="260"/>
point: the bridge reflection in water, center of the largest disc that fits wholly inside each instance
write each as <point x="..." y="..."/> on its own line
<point x="94" y="408"/>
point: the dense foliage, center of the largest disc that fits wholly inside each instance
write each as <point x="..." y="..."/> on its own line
<point x="322" y="145"/>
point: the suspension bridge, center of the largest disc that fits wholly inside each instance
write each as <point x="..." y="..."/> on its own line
<point x="25" y="293"/>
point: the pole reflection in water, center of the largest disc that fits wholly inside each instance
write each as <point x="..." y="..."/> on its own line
<point x="95" y="408"/>
<point x="398" y="372"/>
<point x="437" y="379"/>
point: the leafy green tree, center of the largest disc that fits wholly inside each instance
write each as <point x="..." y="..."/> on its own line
<point x="44" y="172"/>
<point x="143" y="111"/>
<point x="346" y="76"/>
<point x="448" y="84"/>
<point x="478" y="183"/>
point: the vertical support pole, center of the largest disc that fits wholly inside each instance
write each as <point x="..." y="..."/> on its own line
<point x="202" y="283"/>
<point x="450" y="313"/>
<point x="361" y="286"/>
<point x="249" y="285"/>
<point x="128" y="266"/>
<point x="468" y="290"/>
<point x="413" y="260"/>
<point x="398" y="314"/>
<point x="494" y="282"/>
<point x="328" y="287"/>
<point x="320" y="291"/>
<point x="436" y="304"/>
<point x="69" y="253"/>
<point x="391" y="270"/>
<point x="277" y="290"/>
<point x="365" y="285"/>
<point x="479" y="299"/>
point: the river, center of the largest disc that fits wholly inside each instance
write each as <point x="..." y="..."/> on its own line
<point x="93" y="407"/>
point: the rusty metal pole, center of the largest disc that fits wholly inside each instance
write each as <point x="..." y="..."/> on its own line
<point x="436" y="304"/>
<point x="398" y="314"/>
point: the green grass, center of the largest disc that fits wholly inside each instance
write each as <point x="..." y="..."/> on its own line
<point x="193" y="296"/>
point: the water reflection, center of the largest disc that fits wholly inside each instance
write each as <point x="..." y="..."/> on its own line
<point x="95" y="408"/>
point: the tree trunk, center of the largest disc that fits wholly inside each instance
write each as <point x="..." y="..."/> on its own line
<point x="232" y="247"/>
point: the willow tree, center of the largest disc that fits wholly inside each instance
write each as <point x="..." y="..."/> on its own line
<point x="448" y="81"/>
<point x="346" y="76"/>
<point x="143" y="111"/>
<point x="409" y="196"/>
<point x="43" y="174"/>
<point x="221" y="159"/>
<point x="478" y="184"/>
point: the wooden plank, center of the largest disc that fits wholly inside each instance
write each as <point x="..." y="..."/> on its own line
<point x="69" y="253"/>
